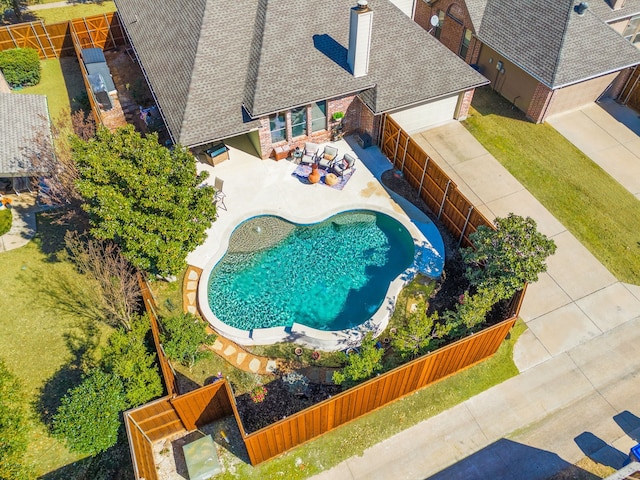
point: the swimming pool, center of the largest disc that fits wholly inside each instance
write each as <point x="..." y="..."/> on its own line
<point x="333" y="275"/>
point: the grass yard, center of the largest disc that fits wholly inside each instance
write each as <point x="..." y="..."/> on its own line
<point x="352" y="439"/>
<point x="62" y="14"/>
<point x="5" y="220"/>
<point x="47" y="330"/>
<point x="595" y="208"/>
<point x="62" y="83"/>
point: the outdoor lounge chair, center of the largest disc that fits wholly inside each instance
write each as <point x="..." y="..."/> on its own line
<point x="309" y="154"/>
<point x="327" y="157"/>
<point x="344" y="165"/>
<point x="219" y="197"/>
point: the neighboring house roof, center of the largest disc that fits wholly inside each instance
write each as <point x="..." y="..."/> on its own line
<point x="602" y="8"/>
<point x="476" y="11"/>
<point x="206" y="59"/>
<point x="22" y="118"/>
<point x="552" y="42"/>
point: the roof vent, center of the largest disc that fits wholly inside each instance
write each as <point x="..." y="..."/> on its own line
<point x="581" y="8"/>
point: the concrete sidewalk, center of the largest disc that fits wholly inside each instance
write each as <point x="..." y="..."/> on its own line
<point x="578" y="358"/>
<point x="23" y="224"/>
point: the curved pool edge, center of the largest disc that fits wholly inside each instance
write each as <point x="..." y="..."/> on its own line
<point x="324" y="339"/>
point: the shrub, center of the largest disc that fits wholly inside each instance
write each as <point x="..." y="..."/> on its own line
<point x="20" y="66"/>
<point x="360" y="366"/>
<point x="89" y="415"/>
<point x="182" y="338"/>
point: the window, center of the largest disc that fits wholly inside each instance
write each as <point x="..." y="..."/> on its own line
<point x="631" y="32"/>
<point x="464" y="46"/>
<point x="438" y="29"/>
<point x="318" y="116"/>
<point x="278" y="127"/>
<point x="299" y="121"/>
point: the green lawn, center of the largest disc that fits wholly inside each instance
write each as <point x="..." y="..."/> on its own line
<point x="62" y="14"/>
<point x="5" y="220"/>
<point x="352" y="439"/>
<point x="61" y="81"/>
<point x="595" y="208"/>
<point x="47" y="329"/>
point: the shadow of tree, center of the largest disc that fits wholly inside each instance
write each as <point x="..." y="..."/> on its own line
<point x="82" y="346"/>
<point x="488" y="102"/>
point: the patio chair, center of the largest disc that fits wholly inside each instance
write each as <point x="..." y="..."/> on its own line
<point x="218" y="199"/>
<point x="327" y="157"/>
<point x="309" y="154"/>
<point x="343" y="165"/>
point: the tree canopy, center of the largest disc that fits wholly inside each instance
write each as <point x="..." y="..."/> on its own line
<point x="504" y="259"/>
<point x="146" y="198"/>
<point x="89" y="415"/>
<point x="362" y="365"/>
<point x="183" y="336"/>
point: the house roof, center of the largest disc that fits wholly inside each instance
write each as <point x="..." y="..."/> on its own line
<point x="552" y="42"/>
<point x="21" y="117"/>
<point x="271" y="55"/>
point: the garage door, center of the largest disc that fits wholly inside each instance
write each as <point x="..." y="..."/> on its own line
<point x="425" y="116"/>
<point x="405" y="5"/>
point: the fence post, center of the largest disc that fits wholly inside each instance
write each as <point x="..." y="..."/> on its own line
<point x="86" y="25"/>
<point x="406" y="144"/>
<point x="395" y="152"/>
<point x="106" y="21"/>
<point x="464" y="229"/>
<point x="46" y="32"/>
<point x="15" y="44"/>
<point x="38" y="40"/>
<point x="424" y="172"/>
<point x="382" y="132"/>
<point x="444" y="198"/>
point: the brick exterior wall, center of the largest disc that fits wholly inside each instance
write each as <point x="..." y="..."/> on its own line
<point x="463" y="107"/>
<point x="349" y="105"/>
<point x="452" y="30"/>
<point x="542" y="98"/>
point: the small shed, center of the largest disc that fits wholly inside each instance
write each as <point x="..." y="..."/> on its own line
<point x="23" y="117"/>
<point x="96" y="64"/>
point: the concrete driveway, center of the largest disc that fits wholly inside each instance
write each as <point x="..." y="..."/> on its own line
<point x="578" y="388"/>
<point x="608" y="134"/>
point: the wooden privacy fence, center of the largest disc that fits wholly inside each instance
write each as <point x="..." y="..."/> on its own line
<point x="433" y="185"/>
<point x="168" y="373"/>
<point x="54" y="41"/>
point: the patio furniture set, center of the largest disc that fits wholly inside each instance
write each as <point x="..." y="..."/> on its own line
<point x="326" y="158"/>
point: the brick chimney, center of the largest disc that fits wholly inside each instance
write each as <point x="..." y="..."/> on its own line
<point x="360" y="27"/>
<point x="616" y="4"/>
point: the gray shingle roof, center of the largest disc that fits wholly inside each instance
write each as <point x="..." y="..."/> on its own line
<point x="554" y="44"/>
<point x="21" y="117"/>
<point x="270" y="55"/>
<point x="476" y="11"/>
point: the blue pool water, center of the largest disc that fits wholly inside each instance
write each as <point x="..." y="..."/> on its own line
<point x="330" y="276"/>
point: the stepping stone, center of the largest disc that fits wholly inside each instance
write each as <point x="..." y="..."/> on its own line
<point x="254" y="365"/>
<point x="217" y="345"/>
<point x="193" y="275"/>
<point x="191" y="296"/>
<point x="229" y="351"/>
<point x="192" y="310"/>
<point x="192" y="285"/>
<point x="241" y="357"/>
<point x="271" y="366"/>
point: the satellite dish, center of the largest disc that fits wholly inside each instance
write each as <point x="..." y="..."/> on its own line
<point x="435" y="21"/>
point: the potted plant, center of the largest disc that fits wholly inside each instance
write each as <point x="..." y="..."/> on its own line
<point x="336" y="128"/>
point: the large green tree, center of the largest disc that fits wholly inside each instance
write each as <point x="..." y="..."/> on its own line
<point x="89" y="415"/>
<point x="13" y="429"/>
<point x="504" y="259"/>
<point x="146" y="198"/>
